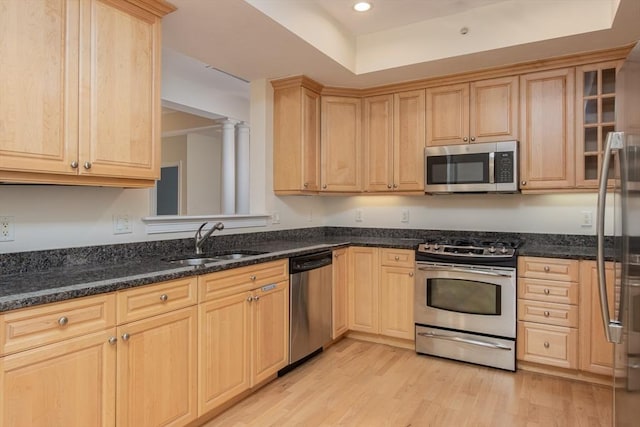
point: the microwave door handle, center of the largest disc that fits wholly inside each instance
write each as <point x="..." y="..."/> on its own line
<point x="612" y="329"/>
<point x="492" y="167"/>
<point x="464" y="270"/>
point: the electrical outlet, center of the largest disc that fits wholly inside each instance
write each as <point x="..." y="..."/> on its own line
<point x="310" y="215"/>
<point x="358" y="215"/>
<point x="586" y="219"/>
<point x="275" y="218"/>
<point x="122" y="224"/>
<point x="6" y="229"/>
<point x="405" y="215"/>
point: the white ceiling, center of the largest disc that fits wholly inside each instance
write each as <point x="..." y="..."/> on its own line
<point x="398" y="40"/>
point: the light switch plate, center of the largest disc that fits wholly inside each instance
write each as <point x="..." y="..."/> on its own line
<point x="586" y="219"/>
<point x="358" y="215"/>
<point x="122" y="224"/>
<point x="405" y="216"/>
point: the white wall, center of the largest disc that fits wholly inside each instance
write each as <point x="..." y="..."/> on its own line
<point x="203" y="174"/>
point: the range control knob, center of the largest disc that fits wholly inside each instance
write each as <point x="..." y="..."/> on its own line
<point x="436" y="247"/>
<point x="492" y="250"/>
<point x="503" y="250"/>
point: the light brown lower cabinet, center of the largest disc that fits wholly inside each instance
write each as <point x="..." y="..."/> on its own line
<point x="381" y="287"/>
<point x="339" y="293"/>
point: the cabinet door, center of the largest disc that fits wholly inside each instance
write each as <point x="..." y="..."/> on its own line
<point x="66" y="384"/>
<point x="494" y="110"/>
<point x="378" y="143"/>
<point x="363" y="289"/>
<point x="339" y="300"/>
<point x="546" y="126"/>
<point x="596" y="353"/>
<point x="448" y="115"/>
<point x="120" y="91"/>
<point x="39" y="51"/>
<point x="396" y="302"/>
<point x="408" y="141"/>
<point x="270" y="334"/>
<point x="157" y="362"/>
<point x="296" y="142"/>
<point x="341" y="168"/>
<point x="224" y="331"/>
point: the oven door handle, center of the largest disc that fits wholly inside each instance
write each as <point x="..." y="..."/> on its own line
<point x="465" y="341"/>
<point x="464" y="270"/>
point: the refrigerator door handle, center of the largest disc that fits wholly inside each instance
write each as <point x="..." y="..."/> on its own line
<point x="612" y="329"/>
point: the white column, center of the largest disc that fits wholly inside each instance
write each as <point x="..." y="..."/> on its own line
<point x="242" y="168"/>
<point x="228" y="168"/>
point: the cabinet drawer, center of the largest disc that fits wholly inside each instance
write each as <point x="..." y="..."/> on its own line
<point x="33" y="327"/>
<point x="548" y="291"/>
<point x="397" y="258"/>
<point x="564" y="270"/>
<point x="548" y="313"/>
<point x="147" y="301"/>
<point x="549" y="345"/>
<point x="226" y="282"/>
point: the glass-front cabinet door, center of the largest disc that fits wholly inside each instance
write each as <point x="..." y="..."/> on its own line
<point x="595" y="117"/>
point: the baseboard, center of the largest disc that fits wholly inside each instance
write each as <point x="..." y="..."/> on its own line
<point x="571" y="374"/>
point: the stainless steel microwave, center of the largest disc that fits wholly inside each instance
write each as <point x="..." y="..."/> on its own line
<point x="469" y="168"/>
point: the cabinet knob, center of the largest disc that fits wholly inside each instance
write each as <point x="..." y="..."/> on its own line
<point x="465" y="139"/>
<point x="546" y="314"/>
<point x="388" y="185"/>
<point x="256" y="298"/>
<point x="397" y="258"/>
<point x="546" y="269"/>
<point x="546" y="291"/>
<point x="112" y="340"/>
<point x="411" y="274"/>
<point x="473" y="138"/>
<point x="523" y="182"/>
<point x="63" y="321"/>
<point x="164" y="297"/>
<point x="249" y="298"/>
<point x="336" y="255"/>
<point x="125" y="337"/>
<point x="87" y="165"/>
<point x="253" y="277"/>
<point x="395" y="185"/>
<point x="324" y="186"/>
<point x="306" y="184"/>
<point x="546" y="344"/>
<point x="74" y="164"/>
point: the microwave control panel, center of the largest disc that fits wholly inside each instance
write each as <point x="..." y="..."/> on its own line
<point x="504" y="167"/>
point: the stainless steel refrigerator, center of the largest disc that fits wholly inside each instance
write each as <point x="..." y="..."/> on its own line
<point x="621" y="162"/>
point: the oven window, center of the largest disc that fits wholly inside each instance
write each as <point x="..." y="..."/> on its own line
<point x="458" y="169"/>
<point x="464" y="296"/>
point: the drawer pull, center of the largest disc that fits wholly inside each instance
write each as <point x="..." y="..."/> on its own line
<point x="164" y="297"/>
<point x="546" y="314"/>
<point x="252" y="277"/>
<point x="125" y="337"/>
<point x="63" y="321"/>
<point x="256" y="298"/>
<point x="546" y="344"/>
<point x="546" y="268"/>
<point x="397" y="258"/>
<point x="112" y="340"/>
<point x="249" y="298"/>
<point x="546" y="291"/>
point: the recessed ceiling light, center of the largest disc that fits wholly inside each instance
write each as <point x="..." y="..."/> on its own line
<point x="362" y="6"/>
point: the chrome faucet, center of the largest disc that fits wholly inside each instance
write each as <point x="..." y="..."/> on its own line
<point x="199" y="238"/>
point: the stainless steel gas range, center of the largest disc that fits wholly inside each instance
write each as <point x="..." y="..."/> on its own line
<point x="465" y="301"/>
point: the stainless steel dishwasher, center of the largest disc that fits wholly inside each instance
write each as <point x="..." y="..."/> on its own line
<point x="310" y="279"/>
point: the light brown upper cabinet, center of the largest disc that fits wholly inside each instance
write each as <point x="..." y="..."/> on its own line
<point x="595" y="117"/>
<point x="480" y="111"/>
<point x="547" y="122"/>
<point x="83" y="107"/>
<point x="341" y="142"/>
<point x="394" y="135"/>
<point x="296" y="142"/>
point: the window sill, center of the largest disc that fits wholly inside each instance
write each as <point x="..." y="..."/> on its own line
<point x="179" y="223"/>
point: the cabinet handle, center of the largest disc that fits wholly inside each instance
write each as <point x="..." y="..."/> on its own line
<point x="395" y="185"/>
<point x="546" y="314"/>
<point x="324" y="186"/>
<point x="411" y="274"/>
<point x="546" y="291"/>
<point x="546" y="344"/>
<point x="164" y="297"/>
<point x="112" y="340"/>
<point x="336" y="255"/>
<point x="523" y="183"/>
<point x="249" y="298"/>
<point x="74" y="164"/>
<point x="388" y="185"/>
<point x="63" y="321"/>
<point x="125" y="337"/>
<point x="473" y="138"/>
<point x="253" y="277"/>
<point x="306" y="184"/>
<point x="546" y="269"/>
<point x="256" y="298"/>
<point x="87" y="165"/>
<point x="397" y="258"/>
<point x="465" y="139"/>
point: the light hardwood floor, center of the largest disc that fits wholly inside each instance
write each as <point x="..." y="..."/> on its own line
<point x="357" y="383"/>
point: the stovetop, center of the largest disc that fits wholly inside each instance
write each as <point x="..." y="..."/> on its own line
<point x="468" y="251"/>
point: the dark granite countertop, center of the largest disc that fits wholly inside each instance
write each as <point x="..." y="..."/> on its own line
<point x="24" y="289"/>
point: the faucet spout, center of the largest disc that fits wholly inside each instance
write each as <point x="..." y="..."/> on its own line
<point x="200" y="238"/>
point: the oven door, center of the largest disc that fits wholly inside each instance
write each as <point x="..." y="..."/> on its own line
<point x="466" y="298"/>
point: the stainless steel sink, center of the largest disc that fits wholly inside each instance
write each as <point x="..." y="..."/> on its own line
<point x="193" y="261"/>
<point x="196" y="260"/>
